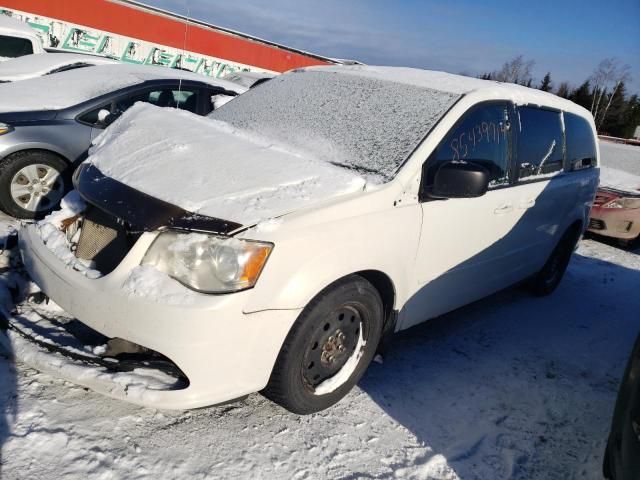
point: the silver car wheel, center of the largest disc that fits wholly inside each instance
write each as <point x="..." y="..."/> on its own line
<point x="37" y="187"/>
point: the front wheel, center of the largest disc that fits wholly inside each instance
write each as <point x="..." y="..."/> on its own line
<point x="32" y="183"/>
<point x="328" y="348"/>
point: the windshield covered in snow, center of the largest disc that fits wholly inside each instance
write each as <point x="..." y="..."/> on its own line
<point x="365" y="124"/>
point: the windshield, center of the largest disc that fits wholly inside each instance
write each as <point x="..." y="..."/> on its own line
<point x="11" y="47"/>
<point x="365" y="124"/>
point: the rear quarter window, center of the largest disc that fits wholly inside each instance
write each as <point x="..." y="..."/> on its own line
<point x="540" y="145"/>
<point x="581" y="144"/>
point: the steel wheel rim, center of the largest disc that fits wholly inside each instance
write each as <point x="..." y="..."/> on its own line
<point x="324" y="356"/>
<point x="37" y="187"/>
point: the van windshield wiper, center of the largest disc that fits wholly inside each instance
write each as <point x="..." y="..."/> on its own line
<point x="356" y="168"/>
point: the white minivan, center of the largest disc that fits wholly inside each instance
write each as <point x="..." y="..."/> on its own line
<point x="272" y="246"/>
<point x="17" y="39"/>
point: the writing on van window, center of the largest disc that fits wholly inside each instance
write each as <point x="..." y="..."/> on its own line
<point x="540" y="143"/>
<point x="482" y="133"/>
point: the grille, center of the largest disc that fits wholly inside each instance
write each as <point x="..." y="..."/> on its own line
<point x="102" y="240"/>
<point x="596" y="224"/>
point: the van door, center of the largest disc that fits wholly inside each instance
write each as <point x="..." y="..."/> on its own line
<point x="544" y="193"/>
<point x="467" y="247"/>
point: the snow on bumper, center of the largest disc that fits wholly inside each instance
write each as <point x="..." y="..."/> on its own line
<point x="224" y="352"/>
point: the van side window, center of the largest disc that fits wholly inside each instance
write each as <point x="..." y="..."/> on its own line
<point x="482" y="137"/>
<point x="540" y="148"/>
<point x="581" y="144"/>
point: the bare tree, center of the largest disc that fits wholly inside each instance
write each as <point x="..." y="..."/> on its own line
<point x="516" y="70"/>
<point x="606" y="80"/>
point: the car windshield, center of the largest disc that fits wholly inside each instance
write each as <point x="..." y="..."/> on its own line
<point x="365" y="124"/>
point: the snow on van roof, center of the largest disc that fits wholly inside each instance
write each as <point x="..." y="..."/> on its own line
<point x="456" y="84"/>
<point x="13" y="25"/>
<point x="73" y="87"/>
<point x="37" y="65"/>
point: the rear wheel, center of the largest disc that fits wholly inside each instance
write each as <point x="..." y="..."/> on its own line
<point x="32" y="183"/>
<point x="548" y="279"/>
<point x="328" y="348"/>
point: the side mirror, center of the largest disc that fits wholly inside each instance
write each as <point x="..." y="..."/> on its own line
<point x="105" y="117"/>
<point x="460" y="179"/>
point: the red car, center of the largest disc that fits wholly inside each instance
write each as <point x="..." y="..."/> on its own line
<point x="616" y="213"/>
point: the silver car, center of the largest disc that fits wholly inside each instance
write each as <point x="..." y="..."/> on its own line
<point x="47" y="124"/>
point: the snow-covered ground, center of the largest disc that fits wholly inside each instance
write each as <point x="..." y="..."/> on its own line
<point x="620" y="166"/>
<point x="512" y="386"/>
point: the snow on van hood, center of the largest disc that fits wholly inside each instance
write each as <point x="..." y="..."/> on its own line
<point x="208" y="167"/>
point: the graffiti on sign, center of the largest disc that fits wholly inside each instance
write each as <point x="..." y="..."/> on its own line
<point x="76" y="38"/>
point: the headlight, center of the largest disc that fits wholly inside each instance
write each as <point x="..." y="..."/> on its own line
<point x="622" y="202"/>
<point x="4" y="128"/>
<point x="208" y="263"/>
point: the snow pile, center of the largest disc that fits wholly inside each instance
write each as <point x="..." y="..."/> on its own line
<point x="211" y="168"/>
<point x="37" y="65"/>
<point x="66" y="89"/>
<point x="51" y="232"/>
<point x="367" y="124"/>
<point x="137" y="385"/>
<point x="150" y="283"/>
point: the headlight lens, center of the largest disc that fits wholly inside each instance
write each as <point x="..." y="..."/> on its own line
<point x="208" y="263"/>
<point x="622" y="202"/>
<point x="4" y="128"/>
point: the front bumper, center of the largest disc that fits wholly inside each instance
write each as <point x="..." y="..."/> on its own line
<point x="224" y="353"/>
<point x="623" y="223"/>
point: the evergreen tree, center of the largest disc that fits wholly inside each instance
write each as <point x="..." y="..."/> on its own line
<point x="633" y="117"/>
<point x="582" y="96"/>
<point x="564" y="90"/>
<point x="545" y="86"/>
<point x="615" y="114"/>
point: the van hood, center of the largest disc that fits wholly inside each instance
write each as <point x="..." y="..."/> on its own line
<point x="209" y="168"/>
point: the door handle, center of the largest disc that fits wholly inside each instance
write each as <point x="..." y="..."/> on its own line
<point x="524" y="204"/>
<point x="502" y="209"/>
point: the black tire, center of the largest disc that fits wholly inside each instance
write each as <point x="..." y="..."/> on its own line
<point x="11" y="165"/>
<point x="296" y="375"/>
<point x="549" y="277"/>
<point x="629" y="243"/>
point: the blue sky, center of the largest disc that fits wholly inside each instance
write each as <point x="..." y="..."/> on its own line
<point x="566" y="37"/>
